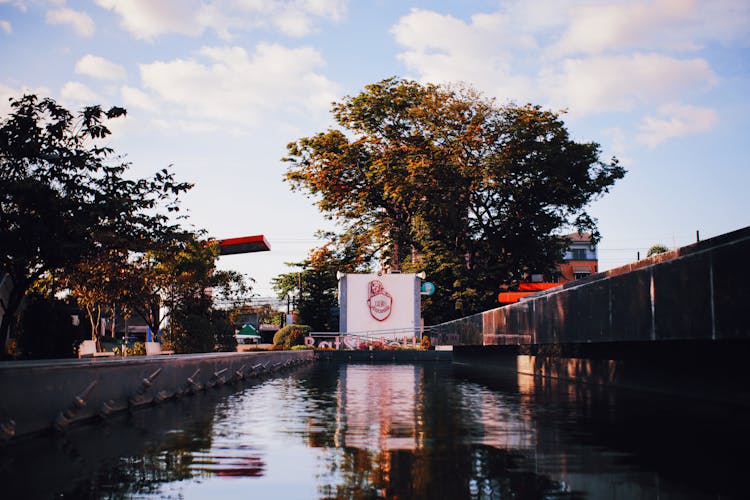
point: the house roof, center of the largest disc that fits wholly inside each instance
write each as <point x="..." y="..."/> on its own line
<point x="573" y="237"/>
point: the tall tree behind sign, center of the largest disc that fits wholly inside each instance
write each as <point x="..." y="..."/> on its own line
<point x="445" y="180"/>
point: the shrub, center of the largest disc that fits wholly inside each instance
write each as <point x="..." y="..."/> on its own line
<point x="302" y="348"/>
<point x="223" y="332"/>
<point x="291" y="335"/>
<point x="46" y="331"/>
<point x="190" y="333"/>
<point x="425" y="342"/>
<point x="139" y="349"/>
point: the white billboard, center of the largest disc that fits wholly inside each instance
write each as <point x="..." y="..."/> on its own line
<point x="380" y="305"/>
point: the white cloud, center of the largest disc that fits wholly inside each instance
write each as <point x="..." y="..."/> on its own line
<point x="620" y="83"/>
<point x="597" y="28"/>
<point x="133" y="97"/>
<point x="81" y="23"/>
<point x="656" y="24"/>
<point x="618" y="143"/>
<point x="76" y="94"/>
<point x="677" y="120"/>
<point x="442" y="48"/>
<point x="98" y="67"/>
<point x="6" y="26"/>
<point x="146" y="19"/>
<point x="228" y="85"/>
<point x="589" y="57"/>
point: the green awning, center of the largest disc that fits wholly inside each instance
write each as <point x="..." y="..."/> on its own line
<point x="248" y="330"/>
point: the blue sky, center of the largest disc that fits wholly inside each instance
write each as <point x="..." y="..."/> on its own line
<point x="218" y="88"/>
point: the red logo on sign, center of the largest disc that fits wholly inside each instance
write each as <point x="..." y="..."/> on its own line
<point x="379" y="301"/>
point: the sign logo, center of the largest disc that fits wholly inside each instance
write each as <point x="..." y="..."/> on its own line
<point x="379" y="300"/>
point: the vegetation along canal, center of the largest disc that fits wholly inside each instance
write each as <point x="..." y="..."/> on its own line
<point x="431" y="430"/>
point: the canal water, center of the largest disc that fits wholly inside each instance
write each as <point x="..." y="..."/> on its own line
<point x="432" y="431"/>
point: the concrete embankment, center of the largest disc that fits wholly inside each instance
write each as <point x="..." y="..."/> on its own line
<point x="674" y="322"/>
<point x="698" y="292"/>
<point x="36" y="396"/>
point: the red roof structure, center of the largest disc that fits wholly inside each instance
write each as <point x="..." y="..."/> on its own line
<point x="244" y="244"/>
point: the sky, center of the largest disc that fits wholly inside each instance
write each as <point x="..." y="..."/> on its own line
<point x="218" y="88"/>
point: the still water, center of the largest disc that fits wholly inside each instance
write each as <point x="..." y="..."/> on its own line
<point x="428" y="431"/>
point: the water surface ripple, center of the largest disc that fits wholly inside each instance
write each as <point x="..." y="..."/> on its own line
<point x="428" y="431"/>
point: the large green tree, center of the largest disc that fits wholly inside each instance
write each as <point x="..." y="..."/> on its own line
<point x="445" y="180"/>
<point x="189" y="284"/>
<point x="65" y="196"/>
<point x="314" y="287"/>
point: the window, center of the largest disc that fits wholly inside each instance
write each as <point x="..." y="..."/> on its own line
<point x="578" y="253"/>
<point x="580" y="276"/>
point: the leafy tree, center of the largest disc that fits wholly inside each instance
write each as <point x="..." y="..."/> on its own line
<point x="189" y="282"/>
<point x="443" y="179"/>
<point x="657" y="249"/>
<point x="97" y="283"/>
<point x="224" y="331"/>
<point x="291" y="335"/>
<point x="191" y="331"/>
<point x="316" y="287"/>
<point x="65" y="197"/>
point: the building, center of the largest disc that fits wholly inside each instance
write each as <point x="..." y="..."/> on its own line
<point x="579" y="261"/>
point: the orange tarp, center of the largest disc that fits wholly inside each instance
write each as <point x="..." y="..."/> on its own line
<point x="536" y="287"/>
<point x="510" y="297"/>
<point x="525" y="289"/>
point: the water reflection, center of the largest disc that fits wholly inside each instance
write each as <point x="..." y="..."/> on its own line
<point x="394" y="431"/>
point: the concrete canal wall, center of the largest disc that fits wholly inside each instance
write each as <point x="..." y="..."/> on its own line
<point x="36" y="396"/>
<point x="675" y="323"/>
<point x="698" y="292"/>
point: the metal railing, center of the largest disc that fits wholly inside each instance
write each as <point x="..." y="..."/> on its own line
<point x="360" y="339"/>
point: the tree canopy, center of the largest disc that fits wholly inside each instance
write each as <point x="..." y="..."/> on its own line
<point x="314" y="287"/>
<point x="445" y="180"/>
<point x="67" y="202"/>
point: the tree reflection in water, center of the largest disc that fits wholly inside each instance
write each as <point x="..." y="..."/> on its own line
<point x="406" y="431"/>
<point x="394" y="431"/>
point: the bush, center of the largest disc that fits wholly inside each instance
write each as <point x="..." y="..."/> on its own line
<point x="190" y="333"/>
<point x="425" y="343"/>
<point x="302" y="348"/>
<point x="223" y="332"/>
<point x="137" y="349"/>
<point x="291" y="335"/>
<point x="45" y="329"/>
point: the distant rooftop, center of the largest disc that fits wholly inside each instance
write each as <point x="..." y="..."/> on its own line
<point x="578" y="237"/>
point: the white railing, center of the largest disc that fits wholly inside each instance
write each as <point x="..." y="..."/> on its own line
<point x="356" y="340"/>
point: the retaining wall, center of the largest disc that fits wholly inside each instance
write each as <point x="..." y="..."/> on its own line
<point x="698" y="292"/>
<point x="36" y="396"/>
